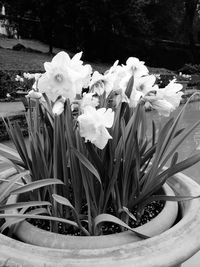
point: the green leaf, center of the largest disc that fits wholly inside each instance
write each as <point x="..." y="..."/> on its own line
<point x="153" y="133"/>
<point x="41" y="217"/>
<point x="184" y="164"/>
<point x="62" y="200"/>
<point x="10" y="221"/>
<point x="129" y="88"/>
<point x="87" y="164"/>
<point x="16" y="218"/>
<point x="11" y="162"/>
<point x="174" y="159"/>
<point x="20" y="205"/>
<point x="9" y="153"/>
<point x="152" y="198"/>
<point x="11" y="183"/>
<point x="182" y="139"/>
<point x="104" y="217"/>
<point x="95" y="157"/>
<point x="35" y="185"/>
<point x="160" y="150"/>
<point x="130" y="214"/>
<point x="37" y="211"/>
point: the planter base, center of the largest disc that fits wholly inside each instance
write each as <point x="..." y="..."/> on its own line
<point x="170" y="248"/>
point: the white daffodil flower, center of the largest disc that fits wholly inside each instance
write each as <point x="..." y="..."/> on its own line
<point x="145" y="84"/>
<point x="136" y="67"/>
<point x="141" y="87"/>
<point x="89" y="100"/>
<point x="93" y="124"/>
<point x="120" y="98"/>
<point x="163" y="107"/>
<point x="98" y="83"/>
<point x="58" y="106"/>
<point x="102" y="83"/>
<point x="135" y="98"/>
<point x="171" y="93"/>
<point x="64" y="77"/>
<point x="167" y="99"/>
<point x="109" y="81"/>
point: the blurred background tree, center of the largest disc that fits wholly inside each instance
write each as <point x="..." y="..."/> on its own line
<point x="163" y="32"/>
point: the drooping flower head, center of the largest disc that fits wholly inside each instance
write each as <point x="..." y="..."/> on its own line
<point x="93" y="124"/>
<point x="166" y="100"/>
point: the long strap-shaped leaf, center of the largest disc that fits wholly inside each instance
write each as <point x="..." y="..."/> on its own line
<point x="64" y="201"/>
<point x="41" y="217"/>
<point x="35" y="185"/>
<point x="104" y="217"/>
<point x="28" y="204"/>
<point x="86" y="163"/>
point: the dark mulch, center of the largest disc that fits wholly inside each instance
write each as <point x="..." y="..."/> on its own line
<point x="150" y="212"/>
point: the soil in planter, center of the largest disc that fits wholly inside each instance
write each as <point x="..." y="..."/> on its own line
<point x="150" y="212"/>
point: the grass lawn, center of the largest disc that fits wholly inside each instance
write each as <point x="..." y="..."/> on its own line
<point x="29" y="61"/>
<point x="19" y="60"/>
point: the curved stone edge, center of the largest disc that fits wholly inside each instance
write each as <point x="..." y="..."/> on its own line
<point x="167" y="249"/>
<point x="33" y="235"/>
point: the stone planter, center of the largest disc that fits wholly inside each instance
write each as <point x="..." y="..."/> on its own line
<point x="169" y="248"/>
<point x="35" y="236"/>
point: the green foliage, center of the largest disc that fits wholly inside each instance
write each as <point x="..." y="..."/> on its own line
<point x="20" y="119"/>
<point x="190" y="69"/>
<point x="9" y="85"/>
<point x="87" y="181"/>
<point x="131" y="26"/>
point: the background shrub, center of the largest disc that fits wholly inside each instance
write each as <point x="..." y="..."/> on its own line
<point x="190" y="69"/>
<point x="8" y="84"/>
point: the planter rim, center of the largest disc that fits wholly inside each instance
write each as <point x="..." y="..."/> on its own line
<point x="167" y="249"/>
<point x="30" y="234"/>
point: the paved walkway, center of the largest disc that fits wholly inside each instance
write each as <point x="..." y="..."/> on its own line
<point x="11" y="108"/>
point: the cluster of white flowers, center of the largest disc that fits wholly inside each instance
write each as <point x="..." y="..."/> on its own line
<point x="164" y="100"/>
<point x="18" y="78"/>
<point x="67" y="77"/>
<point x="185" y="76"/>
<point x="30" y="76"/>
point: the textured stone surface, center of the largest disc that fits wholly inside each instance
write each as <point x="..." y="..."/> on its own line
<point x="167" y="249"/>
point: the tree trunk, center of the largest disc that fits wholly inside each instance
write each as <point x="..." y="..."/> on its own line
<point x="190" y="11"/>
